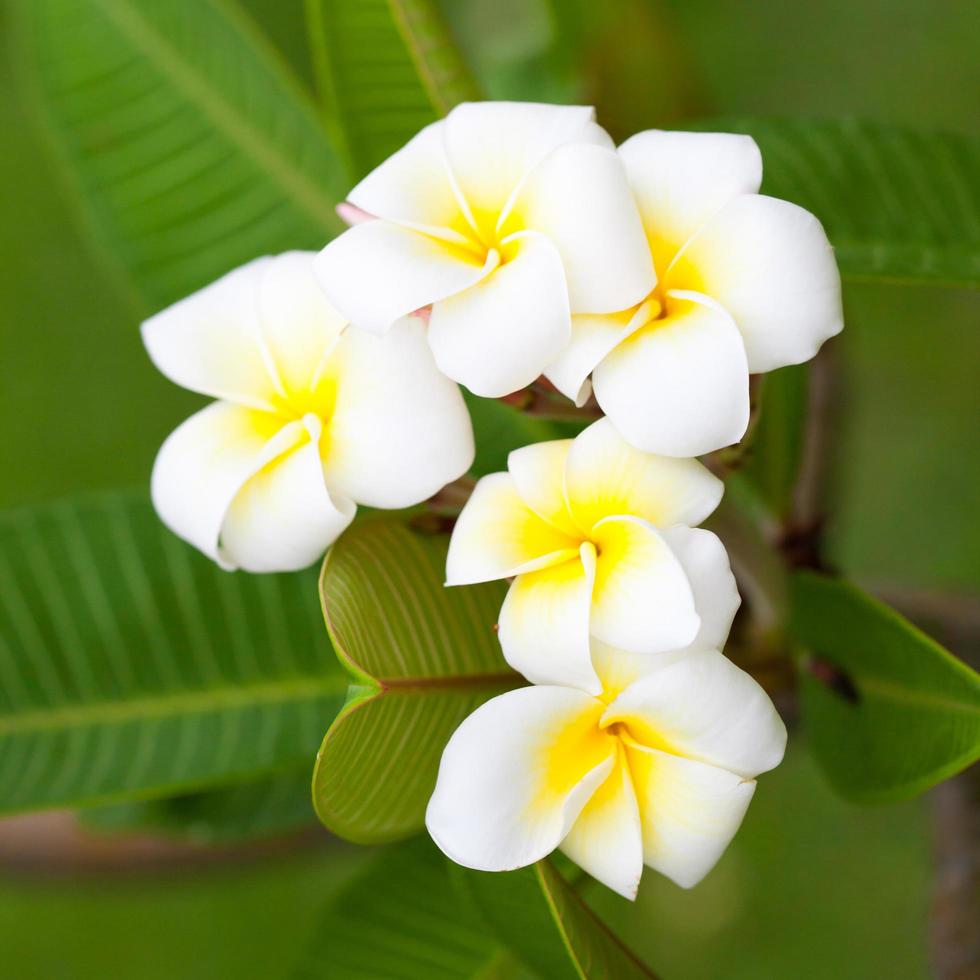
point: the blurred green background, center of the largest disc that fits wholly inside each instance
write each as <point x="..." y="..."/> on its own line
<point x="81" y="408"/>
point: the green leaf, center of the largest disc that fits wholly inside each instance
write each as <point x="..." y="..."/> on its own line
<point x="266" y="807"/>
<point x="401" y="919"/>
<point x="775" y="451"/>
<point x="537" y="914"/>
<point x="190" y="147"/>
<point x="898" y="204"/>
<point x="385" y="69"/>
<point x="132" y="666"/>
<point x="423" y="657"/>
<point x="889" y="711"/>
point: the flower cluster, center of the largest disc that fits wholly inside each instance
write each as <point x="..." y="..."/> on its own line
<point x="506" y="242"/>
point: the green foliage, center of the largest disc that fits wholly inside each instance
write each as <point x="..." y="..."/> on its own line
<point x="537" y="914"/>
<point x="889" y="711"/>
<point x="265" y="807"/>
<point x="897" y="204"/>
<point x="190" y="146"/>
<point x="385" y="69"/>
<point x="133" y="666"/>
<point x="401" y="919"/>
<point x="423" y="657"/>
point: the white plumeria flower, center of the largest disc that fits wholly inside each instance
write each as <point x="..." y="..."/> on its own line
<point x="312" y="418"/>
<point x="658" y="769"/>
<point x="505" y="217"/>
<point x="600" y="540"/>
<point x="747" y="283"/>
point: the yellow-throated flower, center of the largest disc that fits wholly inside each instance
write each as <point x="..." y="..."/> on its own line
<point x="747" y="283"/>
<point x="312" y="418"/>
<point x="599" y="539"/>
<point x="505" y="217"/>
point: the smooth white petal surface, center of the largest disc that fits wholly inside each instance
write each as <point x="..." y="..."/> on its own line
<point x="210" y="342"/>
<point x="492" y="146"/>
<point x="413" y="185"/>
<point x="594" y="335"/>
<point x="497" y="535"/>
<point x="705" y="562"/>
<point x="205" y="461"/>
<point x="689" y="812"/>
<point x="399" y="430"/>
<point x="515" y="777"/>
<point x="681" y="179"/>
<point x="579" y="198"/>
<point x="680" y="385"/>
<point x="618" y="668"/>
<point x="768" y="262"/>
<point x="499" y="335"/>
<point x="538" y="471"/>
<point x="377" y="272"/>
<point x="544" y="623"/>
<point x="607" y="476"/>
<point x="703" y="707"/>
<point x="283" y="518"/>
<point x="642" y="600"/>
<point x="606" y="840"/>
<point x="298" y="325"/>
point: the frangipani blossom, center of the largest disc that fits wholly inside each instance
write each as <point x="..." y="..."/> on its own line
<point x="747" y="283"/>
<point x="599" y="539"/>
<point x="312" y="418"/>
<point x="506" y="218"/>
<point x="656" y="770"/>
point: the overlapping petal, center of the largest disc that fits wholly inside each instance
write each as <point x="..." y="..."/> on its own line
<point x="689" y="812"/>
<point x="544" y="623"/>
<point x="399" y="429"/>
<point x="538" y="471"/>
<point x="606" y="476"/>
<point x="642" y="600"/>
<point x="499" y="334"/>
<point x="678" y="386"/>
<point x="498" y="535"/>
<point x="579" y="198"/>
<point x="703" y="707"/>
<point x="681" y="179"/>
<point x="378" y="272"/>
<point x="768" y="262"/>
<point x="516" y="775"/>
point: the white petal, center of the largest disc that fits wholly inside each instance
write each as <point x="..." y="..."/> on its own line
<point x="618" y="668"/>
<point x="544" y="624"/>
<point x="703" y="707"/>
<point x="680" y="385"/>
<point x="500" y="334"/>
<point x="705" y="562"/>
<point x="210" y="341"/>
<point x="298" y="325"/>
<point x="578" y="196"/>
<point x="377" y="272"/>
<point x="681" y="179"/>
<point x="689" y="812"/>
<point x="594" y="335"/>
<point x="283" y="518"/>
<point x="606" y="840"/>
<point x="768" y="262"/>
<point x="492" y="146"/>
<point x="497" y="535"/>
<point x="607" y="476"/>
<point x="642" y="600"/>
<point x="205" y="461"/>
<point x="399" y="430"/>
<point x="515" y="776"/>
<point x="413" y="185"/>
<point x="539" y="475"/>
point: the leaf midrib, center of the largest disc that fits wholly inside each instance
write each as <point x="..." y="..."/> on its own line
<point x="894" y="692"/>
<point x="295" y="184"/>
<point x="174" y="703"/>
